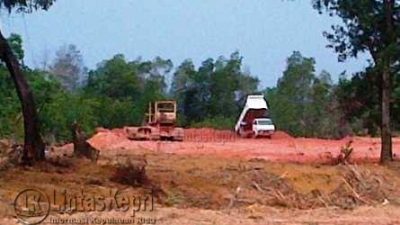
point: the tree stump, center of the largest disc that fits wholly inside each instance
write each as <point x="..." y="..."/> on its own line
<point x="81" y="147"/>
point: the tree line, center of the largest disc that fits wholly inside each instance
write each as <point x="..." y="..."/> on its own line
<point x="117" y="92"/>
<point x="309" y="104"/>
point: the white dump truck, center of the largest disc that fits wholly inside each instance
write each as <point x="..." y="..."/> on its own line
<point x="255" y="121"/>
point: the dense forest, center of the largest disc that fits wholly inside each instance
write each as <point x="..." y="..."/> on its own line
<point x="116" y="93"/>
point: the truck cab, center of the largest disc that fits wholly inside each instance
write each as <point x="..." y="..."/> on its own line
<point x="263" y="127"/>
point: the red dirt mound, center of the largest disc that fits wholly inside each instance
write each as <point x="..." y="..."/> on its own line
<point x="281" y="148"/>
<point x="119" y="132"/>
<point x="104" y="139"/>
<point x="209" y="135"/>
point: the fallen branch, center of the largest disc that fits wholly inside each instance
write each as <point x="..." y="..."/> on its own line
<point x="356" y="195"/>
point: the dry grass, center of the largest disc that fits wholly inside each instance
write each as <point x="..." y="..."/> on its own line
<point x="208" y="182"/>
<point x="131" y="174"/>
<point x="205" y="182"/>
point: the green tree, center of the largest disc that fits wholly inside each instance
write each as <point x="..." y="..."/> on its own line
<point x="9" y="106"/>
<point x="153" y="74"/>
<point x="291" y="98"/>
<point x="223" y="84"/>
<point x="197" y="96"/>
<point x="359" y="102"/>
<point x="180" y="85"/>
<point x="323" y="113"/>
<point x="214" y="93"/>
<point x="369" y="26"/>
<point x="302" y="103"/>
<point x="33" y="144"/>
<point x="125" y="88"/>
<point x="52" y="108"/>
<point x="115" y="78"/>
<point x="15" y="42"/>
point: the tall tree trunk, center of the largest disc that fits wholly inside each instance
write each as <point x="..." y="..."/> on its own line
<point x="386" y="134"/>
<point x="33" y="146"/>
<point x="390" y="38"/>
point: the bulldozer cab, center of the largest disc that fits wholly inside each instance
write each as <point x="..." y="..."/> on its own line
<point x="159" y="123"/>
<point x="162" y="112"/>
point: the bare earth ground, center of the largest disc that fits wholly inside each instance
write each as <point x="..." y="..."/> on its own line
<point x="219" y="179"/>
<point x="281" y="148"/>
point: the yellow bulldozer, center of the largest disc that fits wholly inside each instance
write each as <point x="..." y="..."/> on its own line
<point x="159" y="123"/>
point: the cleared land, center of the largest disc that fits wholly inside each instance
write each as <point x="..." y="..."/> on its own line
<point x="218" y="179"/>
<point x="281" y="148"/>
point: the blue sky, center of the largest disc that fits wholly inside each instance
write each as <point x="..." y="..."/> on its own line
<point x="265" y="32"/>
